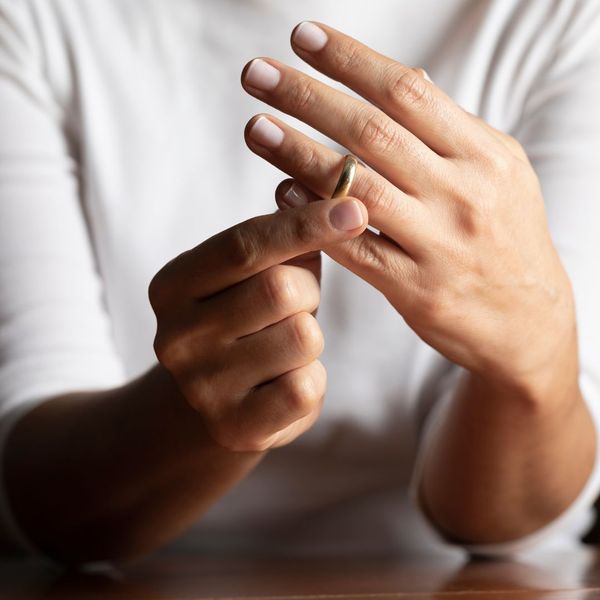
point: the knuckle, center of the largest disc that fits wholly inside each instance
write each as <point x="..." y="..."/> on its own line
<point x="233" y="430"/>
<point x="379" y="134"/>
<point x="523" y="172"/>
<point x="162" y="282"/>
<point x="204" y="391"/>
<point x="280" y="289"/>
<point x="510" y="141"/>
<point x="517" y="149"/>
<point x="156" y="291"/>
<point x="302" y="95"/>
<point x="370" y="256"/>
<point x="379" y="197"/>
<point x="473" y="219"/>
<point x="469" y="210"/>
<point x="500" y="164"/>
<point x="224" y="434"/>
<point x="405" y="86"/>
<point x="307" y="158"/>
<point x="302" y="392"/>
<point x="319" y="377"/>
<point x="307" y="334"/>
<point x="513" y="145"/>
<point x="306" y="230"/>
<point x="243" y="247"/>
<point x="433" y="305"/>
<point x="169" y="350"/>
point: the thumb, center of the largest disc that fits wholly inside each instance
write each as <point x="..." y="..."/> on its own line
<point x="262" y="242"/>
<point x="338" y="219"/>
<point x="288" y="195"/>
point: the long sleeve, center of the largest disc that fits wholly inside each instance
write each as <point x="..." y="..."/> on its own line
<point x="55" y="334"/>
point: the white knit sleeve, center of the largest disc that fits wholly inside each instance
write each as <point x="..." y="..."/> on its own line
<point x="55" y="335"/>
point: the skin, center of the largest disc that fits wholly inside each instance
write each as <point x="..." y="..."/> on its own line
<point x="465" y="256"/>
<point x="238" y="343"/>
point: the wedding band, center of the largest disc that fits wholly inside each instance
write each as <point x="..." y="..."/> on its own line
<point x="346" y="178"/>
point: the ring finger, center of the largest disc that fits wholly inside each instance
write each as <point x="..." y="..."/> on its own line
<point x="400" y="216"/>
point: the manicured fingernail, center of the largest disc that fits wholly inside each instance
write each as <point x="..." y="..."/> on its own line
<point x="346" y="215"/>
<point x="266" y="133"/>
<point x="262" y="76"/>
<point x="295" y="196"/>
<point x="309" y="37"/>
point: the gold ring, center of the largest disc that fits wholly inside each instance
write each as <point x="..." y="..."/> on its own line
<point x="346" y="178"/>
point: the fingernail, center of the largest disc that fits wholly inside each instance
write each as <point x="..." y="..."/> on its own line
<point x="261" y="75"/>
<point x="346" y="215"/>
<point x="426" y="75"/>
<point x="309" y="37"/>
<point x="266" y="133"/>
<point x="295" y="196"/>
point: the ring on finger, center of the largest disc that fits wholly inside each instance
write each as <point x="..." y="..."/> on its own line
<point x="347" y="177"/>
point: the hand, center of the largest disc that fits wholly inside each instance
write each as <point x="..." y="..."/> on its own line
<point x="235" y="327"/>
<point x="464" y="252"/>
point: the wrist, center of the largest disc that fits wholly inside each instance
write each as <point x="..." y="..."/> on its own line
<point x="553" y="385"/>
<point x="543" y="369"/>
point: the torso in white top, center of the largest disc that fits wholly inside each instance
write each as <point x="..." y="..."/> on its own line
<point x="121" y="146"/>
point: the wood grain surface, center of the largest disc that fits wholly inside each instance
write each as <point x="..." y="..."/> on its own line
<point x="183" y="576"/>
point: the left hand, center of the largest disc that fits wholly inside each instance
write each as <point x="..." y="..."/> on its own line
<point x="464" y="254"/>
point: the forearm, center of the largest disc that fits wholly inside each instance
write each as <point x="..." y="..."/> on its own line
<point x="505" y="462"/>
<point x="109" y="475"/>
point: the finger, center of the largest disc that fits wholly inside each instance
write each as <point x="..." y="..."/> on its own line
<point x="245" y="308"/>
<point x="288" y="195"/>
<point x="262" y="300"/>
<point x="365" y="130"/>
<point x="375" y="258"/>
<point x="284" y="346"/>
<point x="401" y="92"/>
<point x="257" y="244"/>
<point x="283" y="408"/>
<point x="401" y="216"/>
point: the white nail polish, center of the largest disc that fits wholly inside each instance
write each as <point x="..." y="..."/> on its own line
<point x="262" y="76"/>
<point x="309" y="37"/>
<point x="295" y="196"/>
<point x="266" y="133"/>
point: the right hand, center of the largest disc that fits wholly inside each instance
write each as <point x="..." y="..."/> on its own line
<point x="235" y="328"/>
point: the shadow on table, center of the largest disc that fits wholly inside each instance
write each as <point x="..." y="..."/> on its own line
<point x="82" y="586"/>
<point x="549" y="577"/>
<point x="553" y="577"/>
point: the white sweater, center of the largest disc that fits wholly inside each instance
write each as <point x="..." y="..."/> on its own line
<point x="121" y="146"/>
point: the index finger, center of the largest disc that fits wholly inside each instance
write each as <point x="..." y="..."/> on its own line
<point x="400" y="91"/>
<point x="254" y="245"/>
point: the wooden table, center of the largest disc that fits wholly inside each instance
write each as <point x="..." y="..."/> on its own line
<point x="565" y="576"/>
